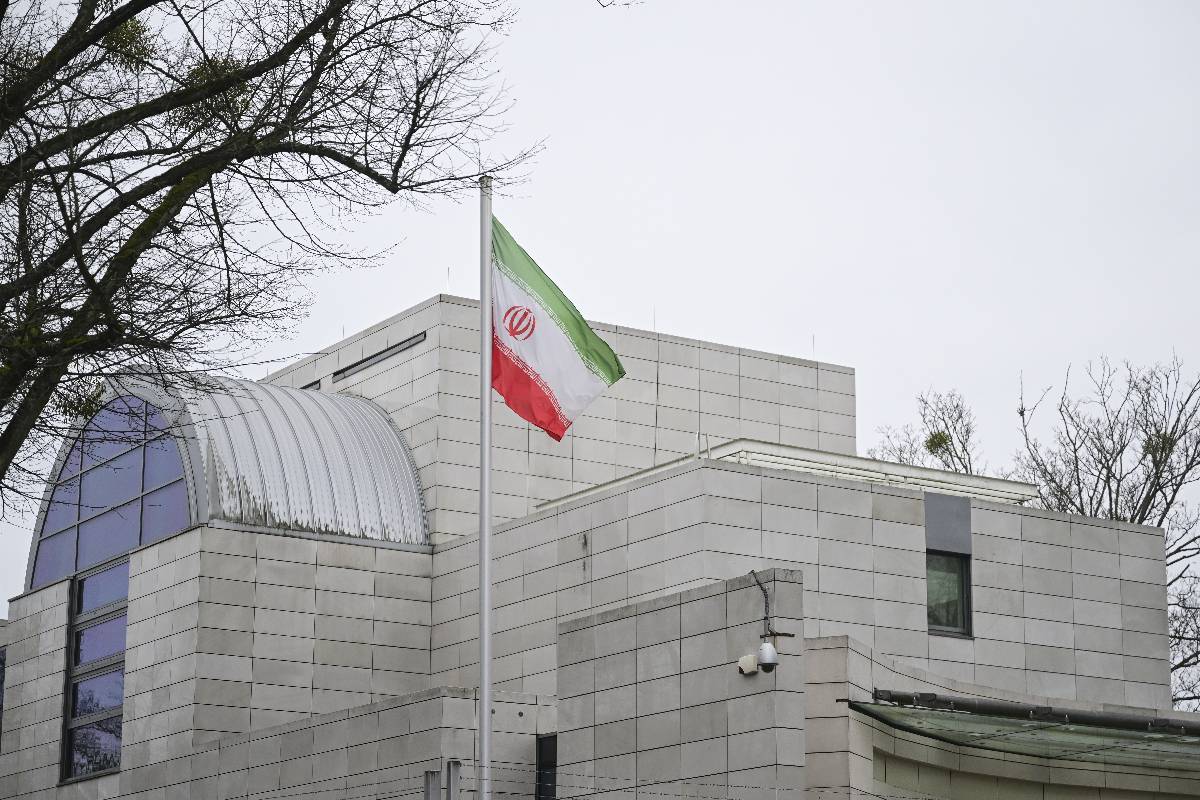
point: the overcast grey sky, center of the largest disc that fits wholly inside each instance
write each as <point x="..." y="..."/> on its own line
<point x="943" y="194"/>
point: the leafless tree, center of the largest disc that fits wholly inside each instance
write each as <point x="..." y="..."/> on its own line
<point x="1183" y="621"/>
<point x="170" y="171"/>
<point x="944" y="438"/>
<point x="1127" y="449"/>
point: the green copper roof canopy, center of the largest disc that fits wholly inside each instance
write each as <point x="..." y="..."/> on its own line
<point x="1041" y="731"/>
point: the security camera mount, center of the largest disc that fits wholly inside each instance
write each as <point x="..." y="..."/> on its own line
<point x="767" y="657"/>
<point x="769" y="633"/>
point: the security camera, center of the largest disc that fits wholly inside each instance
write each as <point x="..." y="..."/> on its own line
<point x="768" y="657"/>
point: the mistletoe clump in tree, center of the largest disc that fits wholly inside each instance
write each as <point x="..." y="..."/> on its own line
<point x="1126" y="448"/>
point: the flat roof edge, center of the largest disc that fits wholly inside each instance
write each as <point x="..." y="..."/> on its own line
<point x="301" y="360"/>
<point x="768" y="455"/>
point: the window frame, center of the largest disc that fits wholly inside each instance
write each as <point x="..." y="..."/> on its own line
<point x="964" y="597"/>
<point x="75" y="674"/>
<point x="69" y="535"/>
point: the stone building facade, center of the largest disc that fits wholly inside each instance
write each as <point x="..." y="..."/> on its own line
<point x="252" y="590"/>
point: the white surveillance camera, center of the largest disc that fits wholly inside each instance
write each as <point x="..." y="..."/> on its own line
<point x="768" y="657"/>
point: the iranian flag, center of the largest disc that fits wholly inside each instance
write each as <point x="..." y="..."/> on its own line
<point x="547" y="364"/>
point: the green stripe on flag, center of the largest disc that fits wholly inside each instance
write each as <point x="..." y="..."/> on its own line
<point x="518" y="264"/>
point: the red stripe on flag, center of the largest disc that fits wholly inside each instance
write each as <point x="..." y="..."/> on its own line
<point x="524" y="393"/>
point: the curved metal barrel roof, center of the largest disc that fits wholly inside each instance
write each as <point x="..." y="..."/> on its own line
<point x="302" y="460"/>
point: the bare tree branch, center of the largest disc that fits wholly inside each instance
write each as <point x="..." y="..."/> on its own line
<point x="170" y="172"/>
<point x="1127" y="449"/>
<point x="945" y="437"/>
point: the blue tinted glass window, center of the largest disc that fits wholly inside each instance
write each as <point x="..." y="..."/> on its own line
<point x="100" y="641"/>
<point x="111" y="483"/>
<point x="94" y="748"/>
<point x="63" y="510"/>
<point x="104" y="481"/>
<point x="104" y="587"/>
<point x="155" y="421"/>
<point x="164" y="512"/>
<point x="163" y="463"/>
<point x="113" y="466"/>
<point x="71" y="462"/>
<point x="55" y="558"/>
<point x="108" y="535"/>
<point x="98" y="693"/>
<point x="118" y="426"/>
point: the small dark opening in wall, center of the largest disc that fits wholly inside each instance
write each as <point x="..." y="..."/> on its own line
<point x="370" y="361"/>
<point x="3" y="660"/>
<point x="547" y="767"/>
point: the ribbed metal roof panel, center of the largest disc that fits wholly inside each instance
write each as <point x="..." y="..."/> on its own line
<point x="304" y="460"/>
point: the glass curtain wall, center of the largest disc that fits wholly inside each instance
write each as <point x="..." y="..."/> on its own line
<point x="121" y="486"/>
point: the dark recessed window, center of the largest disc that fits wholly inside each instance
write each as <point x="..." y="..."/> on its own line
<point x="948" y="581"/>
<point x="3" y="663"/>
<point x="546" y="768"/>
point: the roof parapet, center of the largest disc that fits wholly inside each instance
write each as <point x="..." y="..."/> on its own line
<point x="835" y="465"/>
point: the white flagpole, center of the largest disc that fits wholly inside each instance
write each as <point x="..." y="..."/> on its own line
<point x="485" y="488"/>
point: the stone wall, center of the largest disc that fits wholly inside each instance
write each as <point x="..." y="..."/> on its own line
<point x="650" y="697"/>
<point x="165" y="644"/>
<point x="1063" y="606"/>
<point x="33" y="692"/>
<point x="378" y="750"/>
<point x="674" y="388"/>
<point x="232" y="631"/>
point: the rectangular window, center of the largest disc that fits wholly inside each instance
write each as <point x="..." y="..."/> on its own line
<point x="95" y="672"/>
<point x="55" y="557"/>
<point x="100" y="642"/>
<point x="3" y="663"/>
<point x="94" y="748"/>
<point x="948" y="582"/>
<point x="102" y="692"/>
<point x="103" y="588"/>
<point x="105" y="537"/>
<point x="547" y="768"/>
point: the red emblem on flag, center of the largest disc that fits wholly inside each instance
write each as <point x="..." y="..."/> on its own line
<point x="519" y="321"/>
